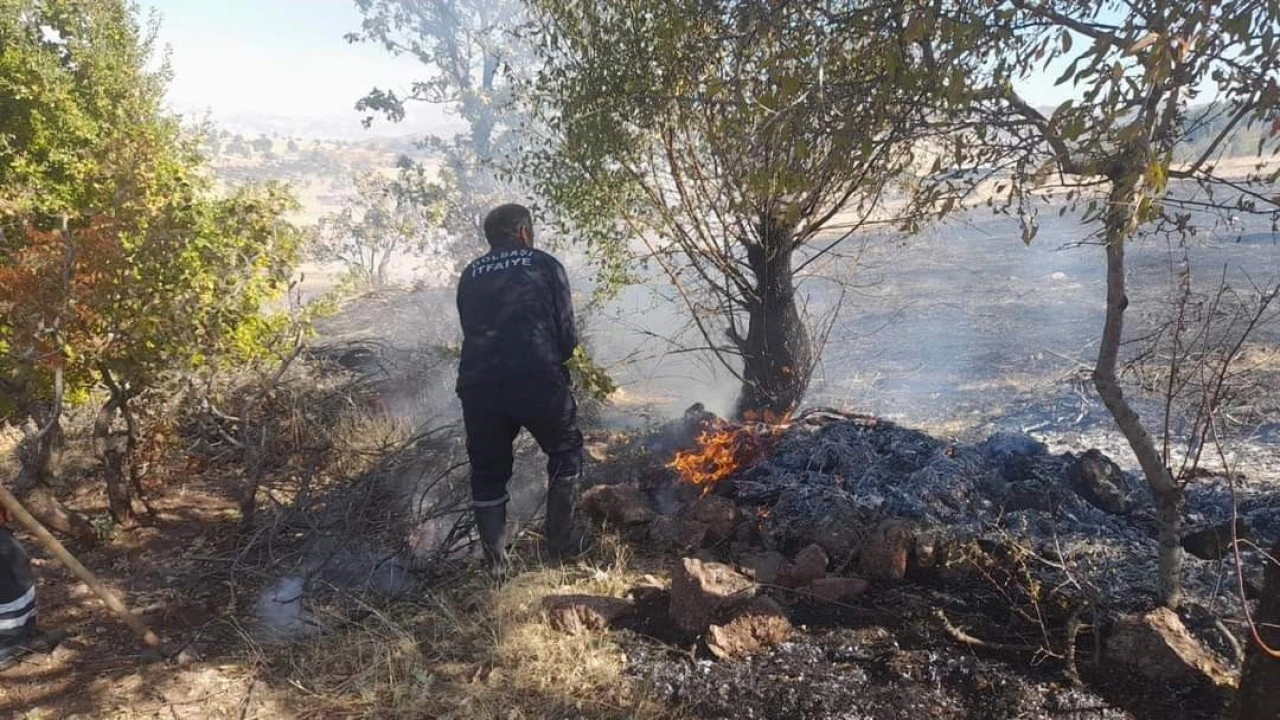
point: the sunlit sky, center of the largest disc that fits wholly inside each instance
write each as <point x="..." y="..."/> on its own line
<point x="288" y="58"/>
<point x="275" y="57"/>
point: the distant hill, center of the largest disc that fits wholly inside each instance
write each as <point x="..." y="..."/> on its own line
<point x="1206" y="122"/>
<point x="318" y="156"/>
<point x="340" y="125"/>
<point x="320" y="171"/>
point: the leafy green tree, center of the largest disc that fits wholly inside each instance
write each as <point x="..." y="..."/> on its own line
<point x="1119" y="146"/>
<point x="726" y="138"/>
<point x="469" y="49"/>
<point x="119" y="265"/>
<point x="387" y="217"/>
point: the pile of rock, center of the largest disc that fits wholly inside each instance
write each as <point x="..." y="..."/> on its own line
<point x="731" y="612"/>
<point x="735" y="607"/>
<point x="845" y="503"/>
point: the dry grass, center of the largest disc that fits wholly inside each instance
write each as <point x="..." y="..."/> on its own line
<point x="326" y="459"/>
<point x="470" y="650"/>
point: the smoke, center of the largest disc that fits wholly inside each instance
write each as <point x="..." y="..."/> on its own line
<point x="951" y="325"/>
<point x="644" y="337"/>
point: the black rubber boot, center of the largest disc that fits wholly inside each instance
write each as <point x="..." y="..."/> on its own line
<point x="491" y="523"/>
<point x="10" y="654"/>
<point x="565" y="539"/>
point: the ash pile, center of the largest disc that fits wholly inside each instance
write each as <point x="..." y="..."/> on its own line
<point x="853" y="483"/>
<point x="1047" y="553"/>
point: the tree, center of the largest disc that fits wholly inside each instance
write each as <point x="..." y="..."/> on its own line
<point x="1136" y="66"/>
<point x="469" y="48"/>
<point x="711" y="132"/>
<point x="387" y="216"/>
<point x="118" y="262"/>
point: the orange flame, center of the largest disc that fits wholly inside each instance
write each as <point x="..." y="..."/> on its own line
<point x="723" y="448"/>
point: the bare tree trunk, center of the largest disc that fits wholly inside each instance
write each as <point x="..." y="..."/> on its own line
<point x="776" y="353"/>
<point x="111" y="452"/>
<point x="115" y="452"/>
<point x="1259" y="697"/>
<point x="35" y="456"/>
<point x="380" y="271"/>
<point x="1120" y="221"/>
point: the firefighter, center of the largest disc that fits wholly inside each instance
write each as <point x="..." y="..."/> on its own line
<point x="518" y="332"/>
<point x="17" y="597"/>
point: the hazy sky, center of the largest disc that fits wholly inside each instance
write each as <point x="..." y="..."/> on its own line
<point x="274" y="57"/>
<point x="289" y="58"/>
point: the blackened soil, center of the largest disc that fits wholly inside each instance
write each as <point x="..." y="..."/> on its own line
<point x="882" y="660"/>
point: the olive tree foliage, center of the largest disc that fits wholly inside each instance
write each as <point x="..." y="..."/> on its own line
<point x="119" y="264"/>
<point x="723" y="142"/>
<point x="387" y="217"/>
<point x="1117" y="148"/>
<point x="470" y="50"/>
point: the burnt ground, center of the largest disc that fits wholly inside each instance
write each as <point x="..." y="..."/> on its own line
<point x="881" y="661"/>
<point x="888" y="656"/>
<point x="983" y="640"/>
<point x="964" y="361"/>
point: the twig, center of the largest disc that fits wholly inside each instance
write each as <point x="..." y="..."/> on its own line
<point x="1073" y="633"/>
<point x="1230" y="638"/>
<point x="1235" y="549"/>
<point x="961" y="636"/>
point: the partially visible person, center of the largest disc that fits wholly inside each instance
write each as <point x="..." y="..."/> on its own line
<point x="17" y="597"/>
<point x="518" y="332"/>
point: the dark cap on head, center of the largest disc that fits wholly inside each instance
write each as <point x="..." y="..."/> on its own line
<point x="503" y="223"/>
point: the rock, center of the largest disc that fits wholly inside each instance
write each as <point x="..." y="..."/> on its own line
<point x="1028" y="496"/>
<point x="579" y="614"/>
<point x="1213" y="542"/>
<point x="887" y="549"/>
<point x="1011" y="453"/>
<point x="931" y="551"/>
<point x="837" y="589"/>
<point x="720" y="515"/>
<point x="809" y="564"/>
<point x="679" y="434"/>
<point x="1003" y="444"/>
<point x="1096" y="478"/>
<point x="618" y="504"/>
<point x="755" y="626"/>
<point x="188" y="656"/>
<point x="808" y="514"/>
<point x="677" y="532"/>
<point x="767" y="568"/>
<point x="702" y="592"/>
<point x="1158" y="646"/>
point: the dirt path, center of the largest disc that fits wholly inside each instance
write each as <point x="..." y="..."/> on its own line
<point x="175" y="575"/>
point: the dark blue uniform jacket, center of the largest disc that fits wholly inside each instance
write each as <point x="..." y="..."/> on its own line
<point x="517" y="318"/>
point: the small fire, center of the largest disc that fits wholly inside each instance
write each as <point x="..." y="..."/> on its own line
<point x="723" y="448"/>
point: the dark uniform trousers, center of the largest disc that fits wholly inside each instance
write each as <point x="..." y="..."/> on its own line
<point x="493" y="414"/>
<point x="17" y="595"/>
